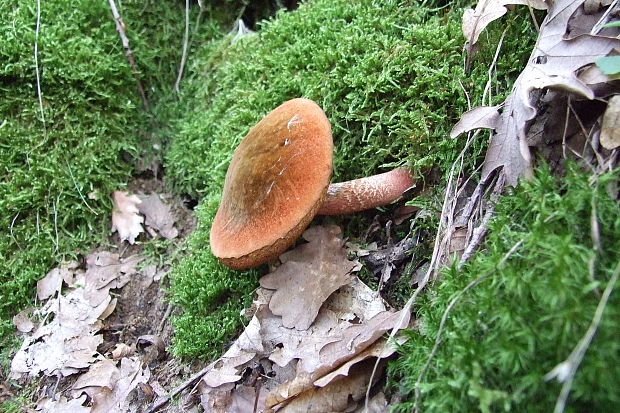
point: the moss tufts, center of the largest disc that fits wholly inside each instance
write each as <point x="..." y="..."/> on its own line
<point x="508" y="331"/>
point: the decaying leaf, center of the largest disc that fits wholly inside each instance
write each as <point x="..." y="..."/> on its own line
<point x="486" y="11"/>
<point x="106" y="270"/>
<point x="66" y="344"/>
<point x="125" y="217"/>
<point x="68" y="341"/>
<point x="62" y="405"/>
<point x="554" y="64"/>
<point x="22" y="321"/>
<point x="308" y="276"/>
<point x="346" y="334"/>
<point x="109" y="387"/>
<point x="610" y="130"/>
<point x="158" y="216"/>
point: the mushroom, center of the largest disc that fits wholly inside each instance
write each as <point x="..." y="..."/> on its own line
<point x="278" y="180"/>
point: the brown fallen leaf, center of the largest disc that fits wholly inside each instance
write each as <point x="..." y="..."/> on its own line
<point x="486" y="11"/>
<point x="125" y="216"/>
<point x="22" y="321"/>
<point x="158" y="216"/>
<point x="62" y="405"/>
<point x="610" y="130"/>
<point x="337" y="396"/>
<point x="554" y="64"/>
<point x="308" y="276"/>
<point x="106" y="270"/>
<point x="123" y="382"/>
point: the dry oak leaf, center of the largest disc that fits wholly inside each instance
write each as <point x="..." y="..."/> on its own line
<point x="158" y="216"/>
<point x="553" y="64"/>
<point x="486" y="11"/>
<point x="125" y="216"/>
<point x="123" y="381"/>
<point x="308" y="276"/>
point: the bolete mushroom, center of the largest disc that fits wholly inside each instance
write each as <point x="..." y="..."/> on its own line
<point x="278" y="180"/>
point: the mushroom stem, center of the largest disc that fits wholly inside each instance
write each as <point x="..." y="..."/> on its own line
<point x="366" y="193"/>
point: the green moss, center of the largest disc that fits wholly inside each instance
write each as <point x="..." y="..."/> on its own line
<point x="56" y="177"/>
<point x="387" y="75"/>
<point x="211" y="295"/>
<point x="48" y="171"/>
<point x="507" y="332"/>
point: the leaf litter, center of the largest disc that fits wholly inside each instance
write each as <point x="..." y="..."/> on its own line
<point x="68" y="337"/>
<point x="555" y="64"/>
<point x="322" y="363"/>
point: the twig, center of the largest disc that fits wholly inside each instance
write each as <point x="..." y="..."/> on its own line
<point x="78" y="189"/>
<point x="160" y="327"/>
<point x="163" y="401"/>
<point x="481" y="230"/>
<point x="487" y="86"/>
<point x="599" y="24"/>
<point x="185" y="43"/>
<point x="120" y="27"/>
<point x="565" y="371"/>
<point x="11" y="231"/>
<point x="444" y="318"/>
<point x="36" y="65"/>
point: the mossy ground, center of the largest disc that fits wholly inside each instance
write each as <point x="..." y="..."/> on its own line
<point x="387" y="75"/>
<point x="511" y="329"/>
<point x="57" y="175"/>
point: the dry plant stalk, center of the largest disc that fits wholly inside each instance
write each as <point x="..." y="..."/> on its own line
<point x="120" y="27"/>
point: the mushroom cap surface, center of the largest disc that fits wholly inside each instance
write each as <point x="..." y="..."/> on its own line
<point x="275" y="184"/>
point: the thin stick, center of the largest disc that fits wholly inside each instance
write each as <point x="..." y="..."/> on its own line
<point x="78" y="190"/>
<point x="573" y="361"/>
<point x="120" y="27"/>
<point x="160" y="327"/>
<point x="185" y="42"/>
<point x="36" y="64"/>
<point x="444" y="319"/>
<point x="163" y="401"/>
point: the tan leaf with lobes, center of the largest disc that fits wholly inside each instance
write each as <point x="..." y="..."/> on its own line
<point x="126" y="218"/>
<point x="158" y="216"/>
<point x="554" y="64"/>
<point x="308" y="276"/>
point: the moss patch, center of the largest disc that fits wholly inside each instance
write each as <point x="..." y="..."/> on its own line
<point x="507" y="332"/>
<point x="387" y="75"/>
<point x="56" y="177"/>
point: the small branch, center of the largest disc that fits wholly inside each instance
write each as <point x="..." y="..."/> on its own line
<point x="481" y="230"/>
<point x="120" y="27"/>
<point x="189" y="382"/>
<point x="185" y="43"/>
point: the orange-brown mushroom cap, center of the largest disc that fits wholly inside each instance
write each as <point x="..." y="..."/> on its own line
<point x="276" y="182"/>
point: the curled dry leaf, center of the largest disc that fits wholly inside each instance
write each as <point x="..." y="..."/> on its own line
<point x="125" y="216"/>
<point x="121" y="350"/>
<point x="62" y="405"/>
<point x="486" y="11"/>
<point x="610" y="130"/>
<point x="308" y="276"/>
<point x="123" y="381"/>
<point x="158" y="216"/>
<point x="22" y="321"/>
<point x="554" y="64"/>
